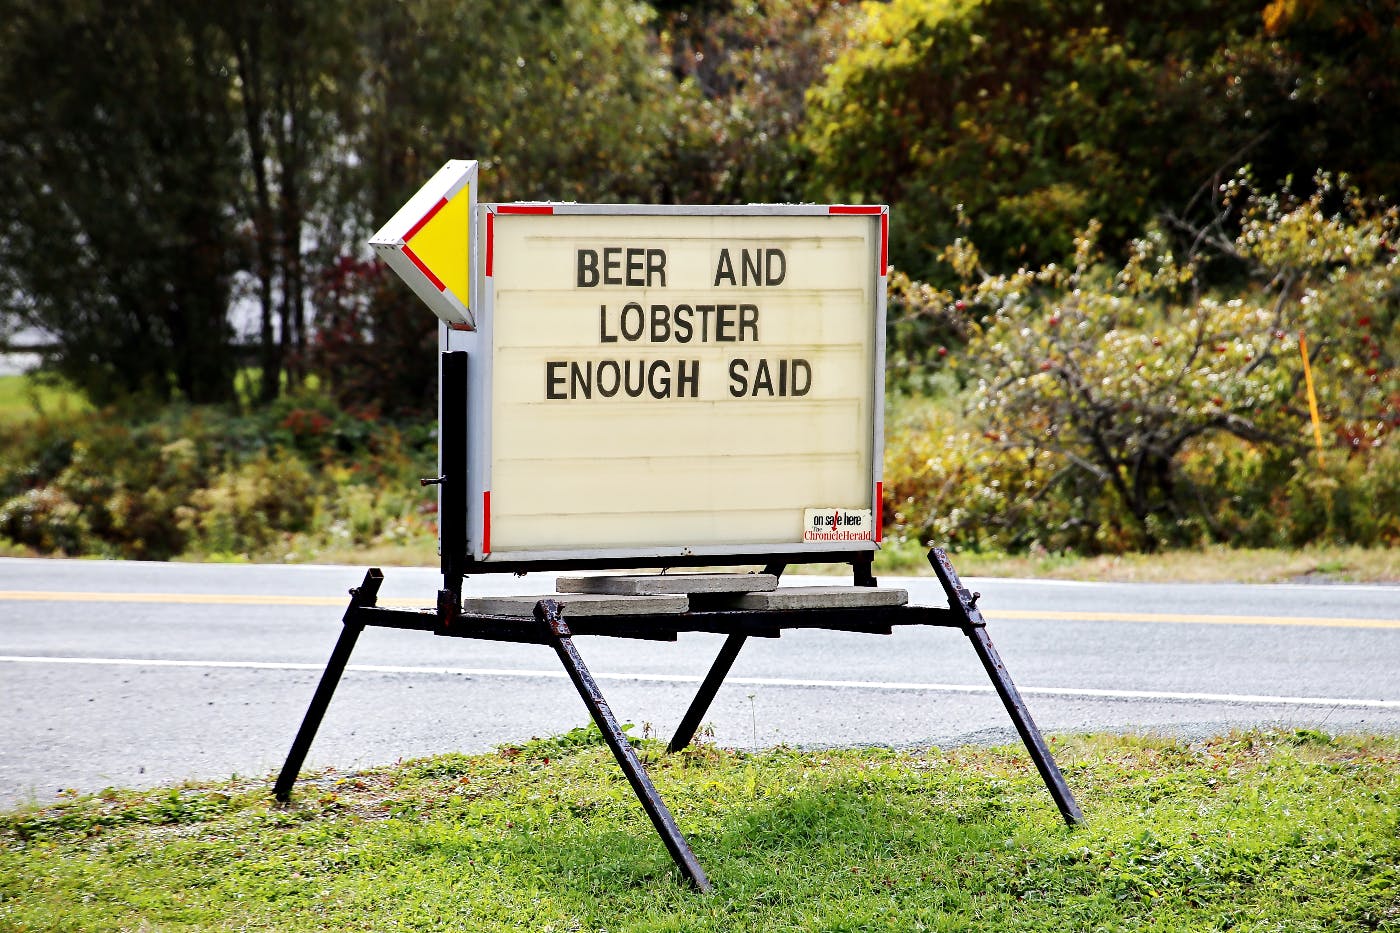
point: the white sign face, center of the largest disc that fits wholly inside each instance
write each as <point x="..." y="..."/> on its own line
<point x="698" y="381"/>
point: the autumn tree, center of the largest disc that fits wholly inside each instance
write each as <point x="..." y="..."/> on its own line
<point x="1029" y="118"/>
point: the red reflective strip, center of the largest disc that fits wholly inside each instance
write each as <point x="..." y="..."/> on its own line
<point x="884" y="227"/>
<point x="466" y="327"/>
<point x="413" y="258"/>
<point x="526" y="208"/>
<point x="486" y="522"/>
<point x="413" y="231"/>
<point x="490" y="242"/>
<point x="884" y="242"/>
<point x="879" y="512"/>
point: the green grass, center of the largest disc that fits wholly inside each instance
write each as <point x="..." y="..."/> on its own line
<point x="22" y="399"/>
<point x="1286" y="831"/>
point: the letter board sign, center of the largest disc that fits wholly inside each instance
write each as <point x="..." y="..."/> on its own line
<point x="662" y="381"/>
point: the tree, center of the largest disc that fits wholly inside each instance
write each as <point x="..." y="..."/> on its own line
<point x="748" y="68"/>
<point x="294" y="86"/>
<point x="1028" y="118"/>
<point x="558" y="99"/>
<point x="115" y="234"/>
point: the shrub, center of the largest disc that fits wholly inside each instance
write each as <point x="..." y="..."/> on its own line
<point x="247" y="507"/>
<point x="1120" y="407"/>
<point x="204" y="481"/>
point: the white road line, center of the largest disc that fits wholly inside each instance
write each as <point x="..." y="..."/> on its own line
<point x="1082" y="692"/>
<point x="1039" y="615"/>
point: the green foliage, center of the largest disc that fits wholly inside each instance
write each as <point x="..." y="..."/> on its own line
<point x="1292" y="830"/>
<point x="300" y="476"/>
<point x="1125" y="407"/>
<point x="1025" y="119"/>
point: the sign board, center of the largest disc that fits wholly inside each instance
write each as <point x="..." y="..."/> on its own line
<point x="657" y="381"/>
<point x="429" y="242"/>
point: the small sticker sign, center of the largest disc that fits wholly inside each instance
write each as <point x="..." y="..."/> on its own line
<point x="822" y="525"/>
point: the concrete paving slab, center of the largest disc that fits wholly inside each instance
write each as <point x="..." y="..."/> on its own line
<point x="576" y="605"/>
<point x="820" y="597"/>
<point x="651" y="584"/>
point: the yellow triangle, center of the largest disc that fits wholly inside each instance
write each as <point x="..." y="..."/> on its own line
<point x="444" y="245"/>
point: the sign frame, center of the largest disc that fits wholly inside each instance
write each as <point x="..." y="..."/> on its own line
<point x="478" y="343"/>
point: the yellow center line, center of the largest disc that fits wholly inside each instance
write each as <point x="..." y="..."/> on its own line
<point x="249" y="599"/>
<point x="1191" y="618"/>
<point x="192" y="599"/>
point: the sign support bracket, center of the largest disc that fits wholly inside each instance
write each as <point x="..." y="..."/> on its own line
<point x="549" y="627"/>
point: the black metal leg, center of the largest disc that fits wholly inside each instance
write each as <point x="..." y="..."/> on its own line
<point x="364" y="595"/>
<point x="547" y="611"/>
<point x="706" y="695"/>
<point x="1030" y="735"/>
<point x="863" y="571"/>
<point x="975" y="627"/>
<point x="452" y="511"/>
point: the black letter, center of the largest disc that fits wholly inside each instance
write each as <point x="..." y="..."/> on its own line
<point x="627" y="332"/>
<point x="806" y="386"/>
<point x="603" y="334"/>
<point x="744" y="256"/>
<point x="551" y="380"/>
<point x="725" y="268"/>
<point x="587" y="268"/>
<point x="691" y="378"/>
<point x="580" y="378"/>
<point x="660" y="323"/>
<point x="656" y="263"/>
<point x="723" y="324"/>
<point x="665" y="369"/>
<point x="763" y="378"/>
<point x="738" y="384"/>
<point x="612" y="264"/>
<point x="616" y="380"/>
<point x="748" y="321"/>
<point x="634" y="264"/>
<point x="782" y="267"/>
<point x="627" y="378"/>
<point x="705" y="312"/>
<point x="683" y="328"/>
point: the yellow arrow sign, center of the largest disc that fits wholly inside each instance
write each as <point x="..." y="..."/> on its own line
<point x="430" y="242"/>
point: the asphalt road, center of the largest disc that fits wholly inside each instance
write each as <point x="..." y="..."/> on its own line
<point x="136" y="674"/>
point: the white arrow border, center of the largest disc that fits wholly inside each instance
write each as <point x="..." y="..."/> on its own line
<point x="391" y="243"/>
